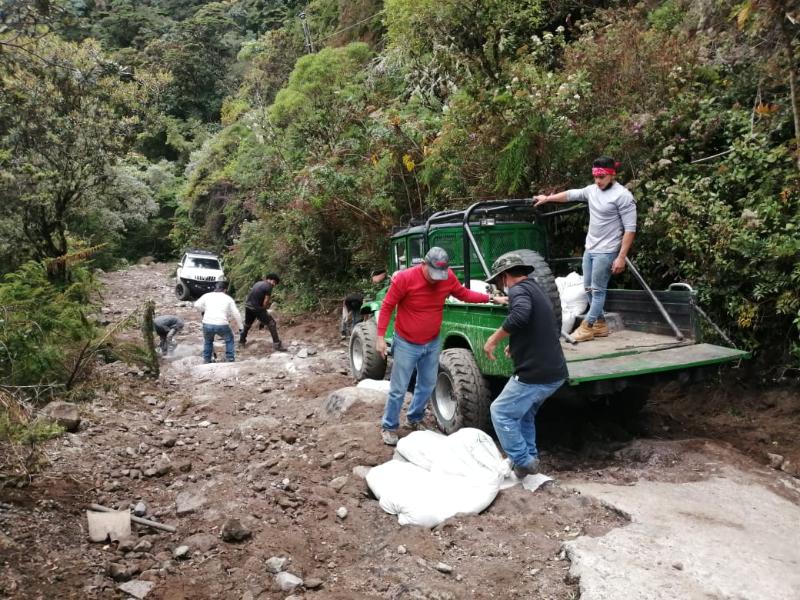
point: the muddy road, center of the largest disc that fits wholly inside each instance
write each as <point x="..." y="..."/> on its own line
<point x="696" y="497"/>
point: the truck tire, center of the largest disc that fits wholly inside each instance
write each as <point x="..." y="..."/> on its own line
<point x="365" y="362"/>
<point x="182" y="291"/>
<point x="462" y="396"/>
<point x="544" y="277"/>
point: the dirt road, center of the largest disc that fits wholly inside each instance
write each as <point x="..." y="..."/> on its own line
<point x="243" y="459"/>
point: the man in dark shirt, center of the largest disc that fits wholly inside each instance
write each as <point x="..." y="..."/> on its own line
<point x="257" y="307"/>
<point x="167" y="326"/>
<point x="539" y="365"/>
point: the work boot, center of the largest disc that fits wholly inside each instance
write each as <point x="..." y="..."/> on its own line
<point x="532" y="468"/>
<point x="279" y="347"/>
<point x="600" y="328"/>
<point x="584" y="333"/>
<point x="389" y="437"/>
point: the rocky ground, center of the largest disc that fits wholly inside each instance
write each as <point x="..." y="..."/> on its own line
<point x="262" y="477"/>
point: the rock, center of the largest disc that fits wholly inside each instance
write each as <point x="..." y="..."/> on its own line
<point x="341" y="512"/>
<point x="126" y="545"/>
<point x="677" y="566"/>
<point x="233" y="531"/>
<point x="338" y="402"/>
<point x="168" y="440"/>
<point x="122" y="572"/>
<point x="182" y="552"/>
<point x="188" y="502"/>
<point x="276" y="564"/>
<point x="302" y="353"/>
<point x="401" y="549"/>
<point x="290" y="437"/>
<point x="312" y="583"/>
<point x="338" y="483"/>
<point x="288" y="582"/>
<point x="63" y="413"/>
<point x="311" y="351"/>
<point x="790" y="467"/>
<point x="143" y="546"/>
<point x="258" y="424"/>
<point x="338" y="456"/>
<point x="140" y="509"/>
<point x="361" y="471"/>
<point x="151" y="472"/>
<point x="775" y="460"/>
<point x="443" y="567"/>
<point x="137" y="588"/>
<point x="201" y="542"/>
<point x="204" y="424"/>
<point x="163" y="466"/>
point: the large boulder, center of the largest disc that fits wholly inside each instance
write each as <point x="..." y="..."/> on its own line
<point x="63" y="413"/>
<point x="339" y="401"/>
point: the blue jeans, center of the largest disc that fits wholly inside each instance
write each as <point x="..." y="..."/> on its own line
<point x="596" y="273"/>
<point x="407" y="357"/>
<point x="513" y="416"/>
<point x="209" y="333"/>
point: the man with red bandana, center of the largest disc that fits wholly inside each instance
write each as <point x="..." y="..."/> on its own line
<point x="418" y="293"/>
<point x="612" y="227"/>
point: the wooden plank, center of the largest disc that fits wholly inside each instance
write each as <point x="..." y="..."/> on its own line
<point x="657" y="361"/>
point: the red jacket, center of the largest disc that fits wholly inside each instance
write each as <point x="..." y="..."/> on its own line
<point x="420" y="304"/>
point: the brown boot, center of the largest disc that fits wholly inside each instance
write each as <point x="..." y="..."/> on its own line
<point x="600" y="328"/>
<point x="583" y="333"/>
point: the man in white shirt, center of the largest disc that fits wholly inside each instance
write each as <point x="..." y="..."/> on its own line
<point x="218" y="310"/>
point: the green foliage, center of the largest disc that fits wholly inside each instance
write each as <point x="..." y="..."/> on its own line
<point x="42" y="325"/>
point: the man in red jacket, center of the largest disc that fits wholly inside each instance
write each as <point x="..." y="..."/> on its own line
<point x="418" y="293"/>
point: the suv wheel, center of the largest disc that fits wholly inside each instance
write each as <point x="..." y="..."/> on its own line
<point x="365" y="362"/>
<point x="462" y="396"/>
<point x="544" y="277"/>
<point x="182" y="291"/>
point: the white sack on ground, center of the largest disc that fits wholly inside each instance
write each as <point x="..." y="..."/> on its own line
<point x="445" y="476"/>
<point x="573" y="297"/>
<point x="380" y="385"/>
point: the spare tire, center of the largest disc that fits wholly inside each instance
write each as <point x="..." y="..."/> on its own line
<point x="365" y="362"/>
<point x="544" y="277"/>
<point x="462" y="396"/>
<point x="182" y="291"/>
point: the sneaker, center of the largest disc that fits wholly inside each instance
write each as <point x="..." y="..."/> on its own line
<point x="389" y="437"/>
<point x="600" y="328"/>
<point x="583" y="333"/>
<point x="414" y="425"/>
<point x="532" y="468"/>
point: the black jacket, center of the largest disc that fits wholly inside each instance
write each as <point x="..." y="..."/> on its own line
<point x="535" y="347"/>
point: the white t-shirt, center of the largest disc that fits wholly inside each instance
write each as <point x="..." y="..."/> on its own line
<point x="218" y="309"/>
<point x="611" y="213"/>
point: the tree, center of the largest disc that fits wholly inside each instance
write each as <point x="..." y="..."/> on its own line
<point x="66" y="119"/>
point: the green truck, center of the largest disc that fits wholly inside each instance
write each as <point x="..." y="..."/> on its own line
<point x="656" y="335"/>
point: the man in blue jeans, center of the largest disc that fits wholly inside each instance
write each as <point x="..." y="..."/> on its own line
<point x="539" y="365"/>
<point x="218" y="309"/>
<point x="612" y="227"/>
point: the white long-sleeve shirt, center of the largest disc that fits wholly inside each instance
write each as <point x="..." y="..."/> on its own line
<point x="218" y="309"/>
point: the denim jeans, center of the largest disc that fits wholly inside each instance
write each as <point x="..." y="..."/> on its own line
<point x="596" y="273"/>
<point x="513" y="416"/>
<point x="209" y="333"/>
<point x="407" y="357"/>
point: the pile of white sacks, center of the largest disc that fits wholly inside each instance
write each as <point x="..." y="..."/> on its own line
<point x="434" y="477"/>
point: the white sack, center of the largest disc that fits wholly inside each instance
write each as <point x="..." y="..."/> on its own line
<point x="380" y="385"/>
<point x="445" y="476"/>
<point x="574" y="300"/>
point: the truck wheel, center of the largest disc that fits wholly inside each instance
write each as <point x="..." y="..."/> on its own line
<point x="544" y="277"/>
<point x="461" y="397"/>
<point x="182" y="291"/>
<point x="365" y="362"/>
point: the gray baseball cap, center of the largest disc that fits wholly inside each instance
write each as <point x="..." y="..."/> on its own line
<point x="438" y="263"/>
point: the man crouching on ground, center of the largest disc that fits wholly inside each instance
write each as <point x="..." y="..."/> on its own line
<point x="418" y="293"/>
<point x="539" y="365"/>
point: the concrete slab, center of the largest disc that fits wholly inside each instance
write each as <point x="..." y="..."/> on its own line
<point x="717" y="539"/>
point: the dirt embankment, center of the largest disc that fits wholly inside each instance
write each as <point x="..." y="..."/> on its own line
<point x="250" y="441"/>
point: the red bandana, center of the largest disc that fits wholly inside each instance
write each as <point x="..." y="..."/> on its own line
<point x="601" y="171"/>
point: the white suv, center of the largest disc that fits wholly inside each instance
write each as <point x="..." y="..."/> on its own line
<point x="198" y="273"/>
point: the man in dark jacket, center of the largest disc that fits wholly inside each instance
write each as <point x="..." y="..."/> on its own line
<point x="257" y="307"/>
<point x="539" y="365"/>
<point x="167" y="326"/>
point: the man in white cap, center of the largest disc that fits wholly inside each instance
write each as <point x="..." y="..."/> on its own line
<point x="418" y="293"/>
